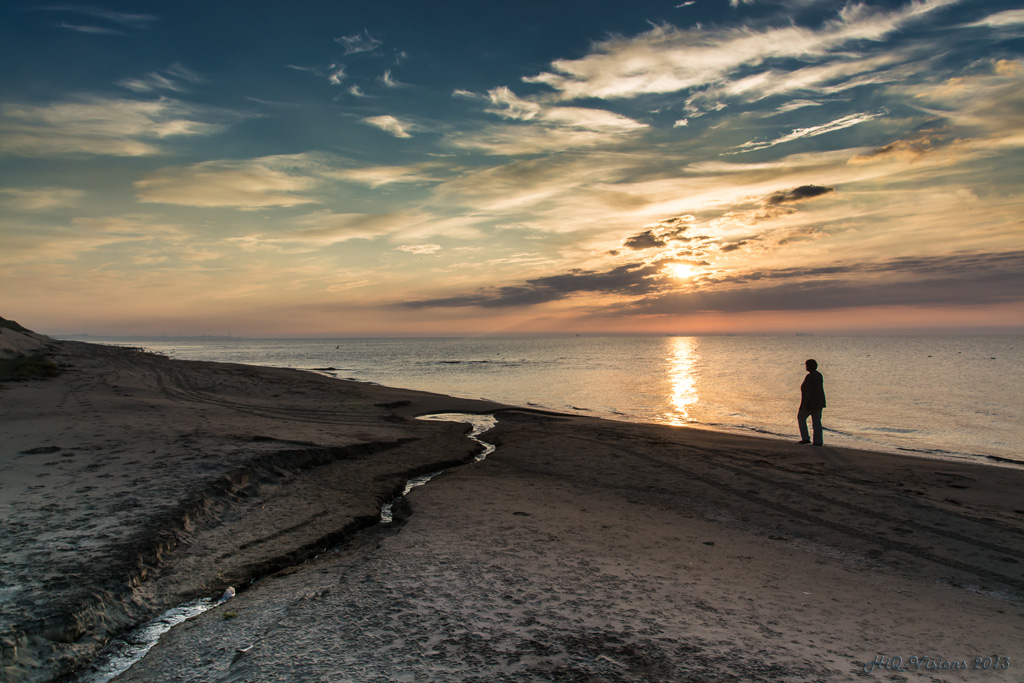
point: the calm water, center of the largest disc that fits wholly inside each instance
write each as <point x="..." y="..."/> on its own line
<point x="944" y="396"/>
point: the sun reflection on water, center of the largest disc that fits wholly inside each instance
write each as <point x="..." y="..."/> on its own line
<point x="681" y="361"/>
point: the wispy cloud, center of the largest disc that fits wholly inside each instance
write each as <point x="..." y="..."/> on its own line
<point x="508" y="105"/>
<point x="811" y="131"/>
<point x="249" y="184"/>
<point x="824" y="80"/>
<point x="93" y="125"/>
<point x="136" y="21"/>
<point x="41" y="199"/>
<point x="330" y="227"/>
<point x="76" y="239"/>
<point x="176" y="78"/>
<point x="420" y="249"/>
<point x="377" y="176"/>
<point x="336" y="74"/>
<point x="359" y="42"/>
<point x="1012" y="17"/>
<point x="541" y="127"/>
<point x="96" y="30"/>
<point x="388" y="80"/>
<point x="667" y="59"/>
<point x="390" y="124"/>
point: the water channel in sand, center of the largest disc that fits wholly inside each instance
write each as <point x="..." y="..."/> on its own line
<point x="480" y="424"/>
<point x="121" y="653"/>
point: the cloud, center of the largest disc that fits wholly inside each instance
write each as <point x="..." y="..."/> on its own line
<point x="390" y="124"/>
<point x="336" y="74"/>
<point x="376" y="176"/>
<point x="519" y="140"/>
<point x="420" y="248"/>
<point x="771" y="208"/>
<point x="176" y="78"/>
<point x="645" y="240"/>
<point x="329" y="227"/>
<point x="793" y="105"/>
<point x="111" y="127"/>
<point x="811" y="131"/>
<point x="798" y="194"/>
<point x="388" y="81"/>
<point x="532" y="185"/>
<point x="632" y="280"/>
<point x="70" y="242"/>
<point x="540" y="127"/>
<point x="1009" y="67"/>
<point x="658" y="236"/>
<point x="96" y="30"/>
<point x="963" y="279"/>
<point x="986" y="100"/>
<point x="583" y="118"/>
<point x="360" y="42"/>
<point x="824" y="80"/>
<point x="909" y="150"/>
<point x="511" y="106"/>
<point x="42" y="199"/>
<point x="667" y="59"/>
<point x="1012" y="17"/>
<point x="253" y="183"/>
<point x="136" y="21"/>
<point x="789" y="163"/>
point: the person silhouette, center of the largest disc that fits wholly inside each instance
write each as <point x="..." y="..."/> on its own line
<point x="812" y="400"/>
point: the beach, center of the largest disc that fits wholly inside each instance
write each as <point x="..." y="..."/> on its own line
<point x="579" y="550"/>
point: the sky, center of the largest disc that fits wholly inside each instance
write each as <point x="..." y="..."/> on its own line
<point x="463" y="167"/>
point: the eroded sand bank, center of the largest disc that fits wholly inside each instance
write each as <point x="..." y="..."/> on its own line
<point x="131" y="482"/>
<point x="579" y="550"/>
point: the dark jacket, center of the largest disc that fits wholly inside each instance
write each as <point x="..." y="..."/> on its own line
<point x="812" y="392"/>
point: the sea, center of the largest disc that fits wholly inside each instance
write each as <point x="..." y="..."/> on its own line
<point x="945" y="397"/>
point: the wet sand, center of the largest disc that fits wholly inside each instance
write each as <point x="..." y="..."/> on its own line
<point x="580" y="550"/>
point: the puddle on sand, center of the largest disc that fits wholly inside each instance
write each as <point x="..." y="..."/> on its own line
<point x="480" y="424"/>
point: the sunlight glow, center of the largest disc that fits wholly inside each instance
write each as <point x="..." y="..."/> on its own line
<point x="682" y="357"/>
<point x="683" y="271"/>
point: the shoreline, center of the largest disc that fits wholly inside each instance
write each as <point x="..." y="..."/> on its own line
<point x="107" y="527"/>
<point x="848" y="430"/>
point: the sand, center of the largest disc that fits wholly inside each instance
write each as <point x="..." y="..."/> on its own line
<point x="580" y="550"/>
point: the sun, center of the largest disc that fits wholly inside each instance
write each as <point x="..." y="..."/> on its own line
<point x="683" y="271"/>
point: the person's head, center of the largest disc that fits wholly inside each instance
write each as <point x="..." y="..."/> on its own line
<point x="811" y="365"/>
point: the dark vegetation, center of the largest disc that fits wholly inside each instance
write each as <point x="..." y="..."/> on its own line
<point x="22" y="367"/>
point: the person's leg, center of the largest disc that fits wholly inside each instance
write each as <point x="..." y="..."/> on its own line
<point x="816" y="424"/>
<point x="801" y="419"/>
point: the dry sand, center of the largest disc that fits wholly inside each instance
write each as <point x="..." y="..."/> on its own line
<point x="580" y="550"/>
